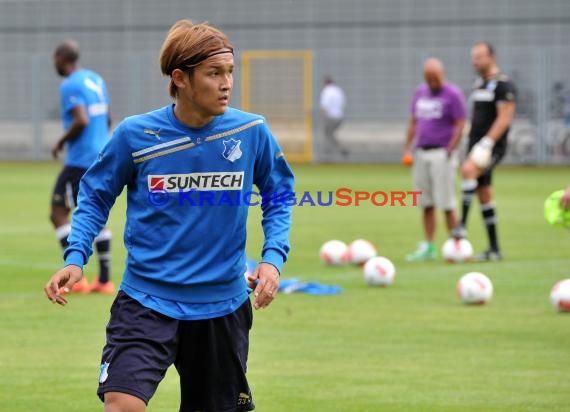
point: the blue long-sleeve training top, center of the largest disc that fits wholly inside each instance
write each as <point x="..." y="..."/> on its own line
<point x="188" y="195"/>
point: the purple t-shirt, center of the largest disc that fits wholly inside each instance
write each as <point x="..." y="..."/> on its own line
<point x="436" y="114"/>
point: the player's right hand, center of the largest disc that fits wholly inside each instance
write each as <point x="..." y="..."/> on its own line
<point x="62" y="281"/>
<point x="481" y="153"/>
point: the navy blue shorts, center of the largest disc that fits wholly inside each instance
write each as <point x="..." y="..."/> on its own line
<point x="210" y="356"/>
<point x="67" y="187"/>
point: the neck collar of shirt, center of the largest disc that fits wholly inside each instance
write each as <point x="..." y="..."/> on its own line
<point x="187" y="129"/>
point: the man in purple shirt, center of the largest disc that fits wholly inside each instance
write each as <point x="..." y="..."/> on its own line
<point x="434" y="131"/>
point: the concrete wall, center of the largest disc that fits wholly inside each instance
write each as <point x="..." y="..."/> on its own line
<point x="373" y="48"/>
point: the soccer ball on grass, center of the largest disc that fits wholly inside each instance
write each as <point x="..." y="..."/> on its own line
<point x="334" y="253"/>
<point x="379" y="271"/>
<point x="457" y="250"/>
<point x="360" y="251"/>
<point x="475" y="288"/>
<point x="560" y="295"/>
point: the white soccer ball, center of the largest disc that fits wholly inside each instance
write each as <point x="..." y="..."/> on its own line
<point x="379" y="271"/>
<point x="334" y="252"/>
<point x="457" y="250"/>
<point x="360" y="251"/>
<point x="560" y="295"/>
<point x="475" y="288"/>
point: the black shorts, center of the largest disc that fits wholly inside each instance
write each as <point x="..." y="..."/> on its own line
<point x="497" y="155"/>
<point x="210" y="356"/>
<point x="67" y="187"/>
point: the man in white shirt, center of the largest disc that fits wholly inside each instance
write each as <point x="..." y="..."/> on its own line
<point x="332" y="104"/>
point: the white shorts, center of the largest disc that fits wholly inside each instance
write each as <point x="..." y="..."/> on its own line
<point x="434" y="174"/>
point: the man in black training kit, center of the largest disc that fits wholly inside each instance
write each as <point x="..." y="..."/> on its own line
<point x="493" y="98"/>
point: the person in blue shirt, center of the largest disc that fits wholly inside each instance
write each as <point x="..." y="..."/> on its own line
<point x="86" y="121"/>
<point x="189" y="170"/>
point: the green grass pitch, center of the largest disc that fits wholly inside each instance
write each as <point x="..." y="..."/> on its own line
<point x="410" y="347"/>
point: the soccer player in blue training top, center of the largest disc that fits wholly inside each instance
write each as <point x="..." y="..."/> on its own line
<point x="494" y="100"/>
<point x="86" y="120"/>
<point x="184" y="299"/>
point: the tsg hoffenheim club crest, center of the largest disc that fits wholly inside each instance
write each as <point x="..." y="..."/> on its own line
<point x="232" y="151"/>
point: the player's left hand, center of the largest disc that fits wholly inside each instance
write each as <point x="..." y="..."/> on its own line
<point x="267" y="285"/>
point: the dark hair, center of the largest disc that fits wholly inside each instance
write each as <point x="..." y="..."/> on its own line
<point x="68" y="50"/>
